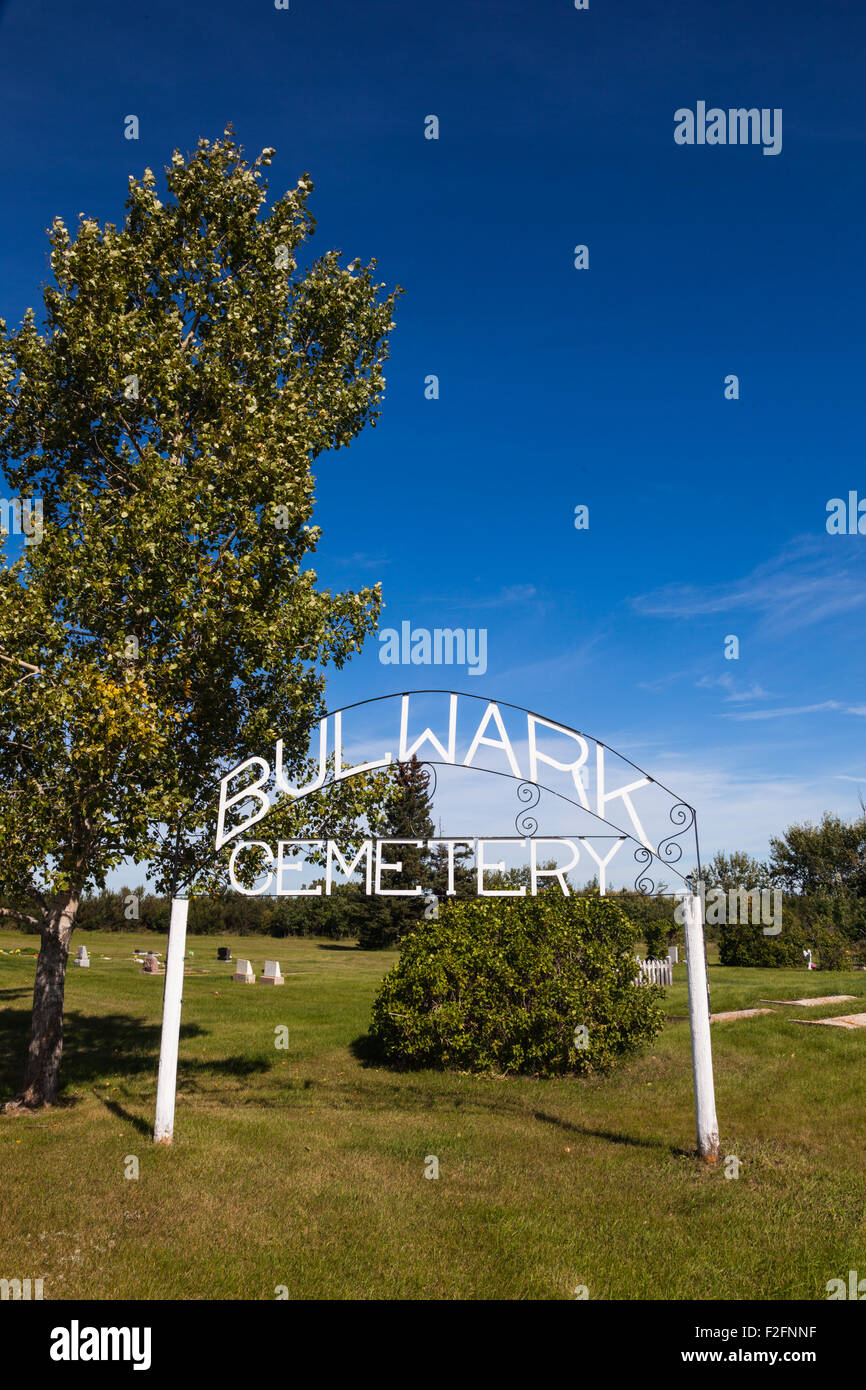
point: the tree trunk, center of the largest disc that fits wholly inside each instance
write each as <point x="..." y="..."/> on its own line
<point x="42" y="1068"/>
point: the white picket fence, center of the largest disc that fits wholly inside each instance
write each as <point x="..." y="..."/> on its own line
<point x="656" y="972"/>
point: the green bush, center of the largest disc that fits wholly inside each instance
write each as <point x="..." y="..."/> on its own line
<point x="656" y="940"/>
<point x="744" y="944"/>
<point x="504" y="986"/>
<point x="834" y="950"/>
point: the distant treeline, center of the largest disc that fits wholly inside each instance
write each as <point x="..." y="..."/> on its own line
<point x="833" y="927"/>
<point x="346" y="912"/>
<point x="132" y="910"/>
<point x="819" y="870"/>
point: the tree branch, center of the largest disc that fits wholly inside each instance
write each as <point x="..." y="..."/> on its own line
<point x="20" y="916"/>
<point x="16" y="661"/>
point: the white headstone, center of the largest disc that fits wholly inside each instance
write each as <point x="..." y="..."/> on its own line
<point x="271" y="974"/>
<point x="82" y="958"/>
<point x="674" y="955"/>
<point x="244" y="973"/>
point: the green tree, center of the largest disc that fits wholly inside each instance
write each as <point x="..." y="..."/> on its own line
<point x="735" y="870"/>
<point x="384" y="920"/>
<point x="462" y="876"/>
<point x="828" y="858"/>
<point x="168" y="625"/>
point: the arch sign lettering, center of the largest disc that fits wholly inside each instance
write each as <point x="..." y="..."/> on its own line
<point x="558" y="774"/>
<point x="562" y="802"/>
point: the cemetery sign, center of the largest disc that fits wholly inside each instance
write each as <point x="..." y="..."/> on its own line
<point x="644" y="821"/>
<point x="550" y="765"/>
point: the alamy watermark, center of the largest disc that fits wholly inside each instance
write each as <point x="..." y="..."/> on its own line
<point x="856" y="1287"/>
<point x="846" y="518"/>
<point x="737" y="905"/>
<point x="736" y="126"/>
<point x="22" y="516"/>
<point x="444" y="646"/>
<point x="77" y="1343"/>
<point x="18" y="1289"/>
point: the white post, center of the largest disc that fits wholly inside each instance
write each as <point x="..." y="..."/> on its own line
<point x="163" y="1130"/>
<point x="699" y="1024"/>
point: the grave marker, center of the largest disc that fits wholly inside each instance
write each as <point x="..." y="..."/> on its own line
<point x="271" y="974"/>
<point x="842" y="1021"/>
<point x="738" y="1013"/>
<point x="812" y="1003"/>
<point x="244" y="973"/>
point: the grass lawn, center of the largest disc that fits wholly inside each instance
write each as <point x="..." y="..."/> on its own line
<point x="305" y="1168"/>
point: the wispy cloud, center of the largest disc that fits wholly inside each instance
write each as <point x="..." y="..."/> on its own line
<point x="813" y="580"/>
<point x="549" y="669"/>
<point x="788" y="710"/>
<point x="360" y="560"/>
<point x="662" y="682"/>
<point x="727" y="682"/>
<point x="509" y="596"/>
<point x="512" y="593"/>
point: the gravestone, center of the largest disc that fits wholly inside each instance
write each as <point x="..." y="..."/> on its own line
<point x="738" y="1013"/>
<point x="82" y="958"/>
<point x="151" y="964"/>
<point x="271" y="974"/>
<point x="840" y="1021"/>
<point x="674" y="955"/>
<point x="244" y="973"/>
<point x="813" y="1002"/>
<point x="223" y="953"/>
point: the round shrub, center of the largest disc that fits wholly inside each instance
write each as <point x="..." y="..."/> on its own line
<point x="544" y="986"/>
<point x="744" y="944"/>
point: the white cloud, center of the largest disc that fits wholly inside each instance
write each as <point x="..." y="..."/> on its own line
<point x="813" y="580"/>
<point x="789" y="710"/>
<point x="727" y="682"/>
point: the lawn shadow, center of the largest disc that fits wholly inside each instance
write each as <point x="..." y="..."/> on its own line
<point x="363" y="1049"/>
<point x="93" y="1045"/>
<point x="610" y="1135"/>
<point x="141" y="1125"/>
<point x="333" y="946"/>
<point x="117" y="1045"/>
<point x="506" y="1103"/>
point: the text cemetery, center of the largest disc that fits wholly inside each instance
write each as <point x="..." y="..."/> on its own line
<point x="517" y="753"/>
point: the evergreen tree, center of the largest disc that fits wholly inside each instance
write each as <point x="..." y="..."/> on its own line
<point x="462" y="876"/>
<point x="384" y="920"/>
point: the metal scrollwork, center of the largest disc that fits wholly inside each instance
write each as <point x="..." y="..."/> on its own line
<point x="670" y="850"/>
<point x="643" y="883"/>
<point x="530" y="795"/>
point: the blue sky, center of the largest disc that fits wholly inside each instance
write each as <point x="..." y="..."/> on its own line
<point x="558" y="387"/>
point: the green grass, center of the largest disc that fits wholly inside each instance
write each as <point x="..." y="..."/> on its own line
<point x="305" y="1168"/>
